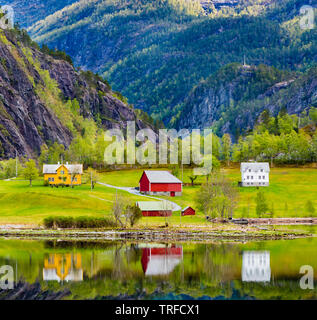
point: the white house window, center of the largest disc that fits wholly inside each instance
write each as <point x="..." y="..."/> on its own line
<point x="251" y="177"/>
<point x="249" y="170"/>
<point x="62" y="172"/>
<point x="248" y="177"/>
<point x="261" y="170"/>
<point x="259" y="177"/>
<point x="263" y="177"/>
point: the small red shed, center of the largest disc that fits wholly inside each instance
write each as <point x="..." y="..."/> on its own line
<point x="155" y="208"/>
<point x="188" y="211"/>
<point x="160" y="182"/>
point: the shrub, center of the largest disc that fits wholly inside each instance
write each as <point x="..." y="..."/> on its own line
<point x="78" y="222"/>
<point x="49" y="222"/>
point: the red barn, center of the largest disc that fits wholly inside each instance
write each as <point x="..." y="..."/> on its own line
<point x="188" y="211"/>
<point x="160" y="183"/>
<point x="160" y="260"/>
<point x="155" y="208"/>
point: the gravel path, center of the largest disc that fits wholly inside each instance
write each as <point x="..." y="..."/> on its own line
<point x="132" y="190"/>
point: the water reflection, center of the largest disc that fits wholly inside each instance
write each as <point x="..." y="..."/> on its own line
<point x="62" y="267"/>
<point x="161" y="260"/>
<point x="128" y="270"/>
<point x="256" y="266"/>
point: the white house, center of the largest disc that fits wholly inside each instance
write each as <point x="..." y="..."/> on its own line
<point x="256" y="266"/>
<point x="255" y="174"/>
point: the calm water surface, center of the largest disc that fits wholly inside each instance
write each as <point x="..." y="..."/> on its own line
<point x="117" y="270"/>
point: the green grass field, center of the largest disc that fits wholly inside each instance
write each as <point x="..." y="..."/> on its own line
<point x="20" y="203"/>
<point x="289" y="191"/>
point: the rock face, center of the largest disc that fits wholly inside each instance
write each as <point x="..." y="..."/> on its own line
<point x="26" y="122"/>
<point x="243" y="92"/>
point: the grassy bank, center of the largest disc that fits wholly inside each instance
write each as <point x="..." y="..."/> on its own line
<point x="152" y="234"/>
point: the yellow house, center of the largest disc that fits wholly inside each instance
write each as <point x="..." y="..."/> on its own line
<point x="63" y="174"/>
<point x="62" y="267"/>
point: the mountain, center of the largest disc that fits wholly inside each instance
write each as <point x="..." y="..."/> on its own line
<point x="156" y="51"/>
<point x="43" y="99"/>
<point x="232" y="99"/>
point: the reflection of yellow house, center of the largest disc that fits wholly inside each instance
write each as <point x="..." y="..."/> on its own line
<point x="62" y="267"/>
<point x="63" y="174"/>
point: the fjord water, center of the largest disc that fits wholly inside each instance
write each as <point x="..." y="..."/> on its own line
<point x="120" y="270"/>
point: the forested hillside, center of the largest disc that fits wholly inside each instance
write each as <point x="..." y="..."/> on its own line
<point x="155" y="52"/>
<point x="44" y="100"/>
<point x="232" y="99"/>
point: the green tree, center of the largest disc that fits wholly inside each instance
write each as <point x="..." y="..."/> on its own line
<point x="133" y="214"/>
<point x="218" y="197"/>
<point x="313" y="115"/>
<point x="226" y="148"/>
<point x="30" y="171"/>
<point x="310" y="208"/>
<point x="261" y="204"/>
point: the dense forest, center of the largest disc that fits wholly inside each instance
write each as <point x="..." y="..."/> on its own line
<point x="156" y="52"/>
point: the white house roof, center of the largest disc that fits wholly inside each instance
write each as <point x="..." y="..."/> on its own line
<point x="72" y="168"/>
<point x="161" y="177"/>
<point x="255" y="166"/>
<point x="154" y="205"/>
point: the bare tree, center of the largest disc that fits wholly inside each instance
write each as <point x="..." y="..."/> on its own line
<point x="192" y="179"/>
<point x="118" y="209"/>
<point x="93" y="177"/>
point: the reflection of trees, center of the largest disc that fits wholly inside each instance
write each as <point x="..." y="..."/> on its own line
<point x="117" y="262"/>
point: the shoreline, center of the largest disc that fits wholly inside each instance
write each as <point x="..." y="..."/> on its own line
<point x="199" y="234"/>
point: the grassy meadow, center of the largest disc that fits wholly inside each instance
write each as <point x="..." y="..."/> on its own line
<point x="288" y="193"/>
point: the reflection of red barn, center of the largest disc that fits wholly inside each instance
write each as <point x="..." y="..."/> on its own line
<point x="160" y="261"/>
<point x="188" y="211"/>
<point x="155" y="208"/>
<point x="160" y="182"/>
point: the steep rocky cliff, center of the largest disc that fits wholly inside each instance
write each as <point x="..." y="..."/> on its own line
<point x="232" y="99"/>
<point x="35" y="90"/>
